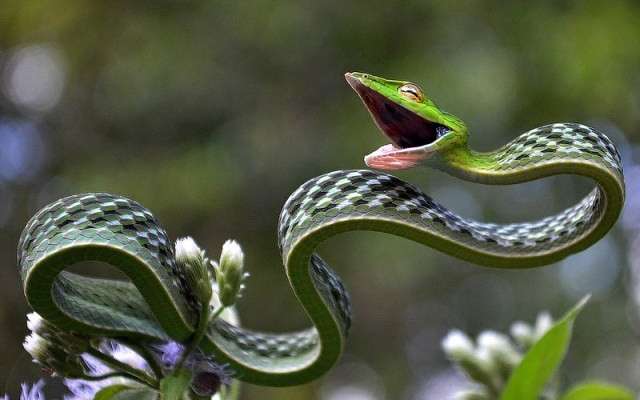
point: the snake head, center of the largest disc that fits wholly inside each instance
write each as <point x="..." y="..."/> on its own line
<point x="413" y="123"/>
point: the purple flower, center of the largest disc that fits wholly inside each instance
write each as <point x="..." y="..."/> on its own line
<point x="86" y="390"/>
<point x="30" y="392"/>
<point x="208" y="375"/>
<point x="169" y="353"/>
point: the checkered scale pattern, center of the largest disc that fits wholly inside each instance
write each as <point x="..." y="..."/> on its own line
<point x="124" y="223"/>
<point x="269" y="345"/>
<point x="552" y="142"/>
<point x="102" y="218"/>
<point x="361" y="194"/>
<point x="355" y="197"/>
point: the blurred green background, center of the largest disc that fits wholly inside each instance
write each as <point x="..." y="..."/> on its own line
<point x="211" y="113"/>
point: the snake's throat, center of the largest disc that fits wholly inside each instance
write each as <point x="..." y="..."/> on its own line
<point x="403" y="127"/>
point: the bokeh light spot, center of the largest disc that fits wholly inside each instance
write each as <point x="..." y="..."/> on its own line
<point x="21" y="150"/>
<point x="34" y="77"/>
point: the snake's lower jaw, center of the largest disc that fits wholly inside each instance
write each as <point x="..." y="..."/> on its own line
<point x="392" y="158"/>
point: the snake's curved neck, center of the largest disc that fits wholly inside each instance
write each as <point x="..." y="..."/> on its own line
<point x="475" y="166"/>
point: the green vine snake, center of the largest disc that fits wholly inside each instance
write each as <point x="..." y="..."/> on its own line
<point x="155" y="303"/>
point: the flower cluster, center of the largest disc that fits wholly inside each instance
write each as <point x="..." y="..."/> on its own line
<point x="88" y="365"/>
<point x="492" y="358"/>
<point x="56" y="351"/>
<point x="208" y="376"/>
<point x="228" y="272"/>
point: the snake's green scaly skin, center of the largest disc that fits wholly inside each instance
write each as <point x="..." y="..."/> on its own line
<point x="156" y="304"/>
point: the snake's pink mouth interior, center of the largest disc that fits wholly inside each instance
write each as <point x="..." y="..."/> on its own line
<point x="404" y="128"/>
<point x="407" y="131"/>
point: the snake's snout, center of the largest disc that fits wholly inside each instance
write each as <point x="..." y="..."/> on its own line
<point x="354" y="79"/>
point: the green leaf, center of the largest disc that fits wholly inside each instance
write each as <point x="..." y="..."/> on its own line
<point x="598" y="391"/>
<point x="174" y="386"/>
<point x="124" y="392"/>
<point x="110" y="391"/>
<point x="540" y="363"/>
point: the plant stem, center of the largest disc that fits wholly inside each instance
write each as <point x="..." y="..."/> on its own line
<point x="125" y="369"/>
<point x="203" y="323"/>
<point x="114" y="374"/>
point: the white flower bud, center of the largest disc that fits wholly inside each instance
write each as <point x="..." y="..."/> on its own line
<point x="72" y="342"/>
<point x="34" y="344"/>
<point x="192" y="260"/>
<point x="477" y="364"/>
<point x="493" y="340"/>
<point x="544" y="322"/>
<point x="187" y="250"/>
<point x="457" y="345"/>
<point x="499" y="348"/>
<point x="485" y="361"/>
<point x="232" y="255"/>
<point x="34" y="322"/>
<point x="52" y="356"/>
<point x="522" y="333"/>
<point x="230" y="273"/>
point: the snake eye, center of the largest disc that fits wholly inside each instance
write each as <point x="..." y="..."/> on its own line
<point x="411" y="92"/>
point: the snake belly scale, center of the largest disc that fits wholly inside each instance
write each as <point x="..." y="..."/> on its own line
<point x="156" y="304"/>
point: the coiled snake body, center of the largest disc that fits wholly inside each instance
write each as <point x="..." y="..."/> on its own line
<point x="156" y="304"/>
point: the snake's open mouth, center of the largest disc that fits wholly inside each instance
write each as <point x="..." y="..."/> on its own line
<point x="408" y="132"/>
